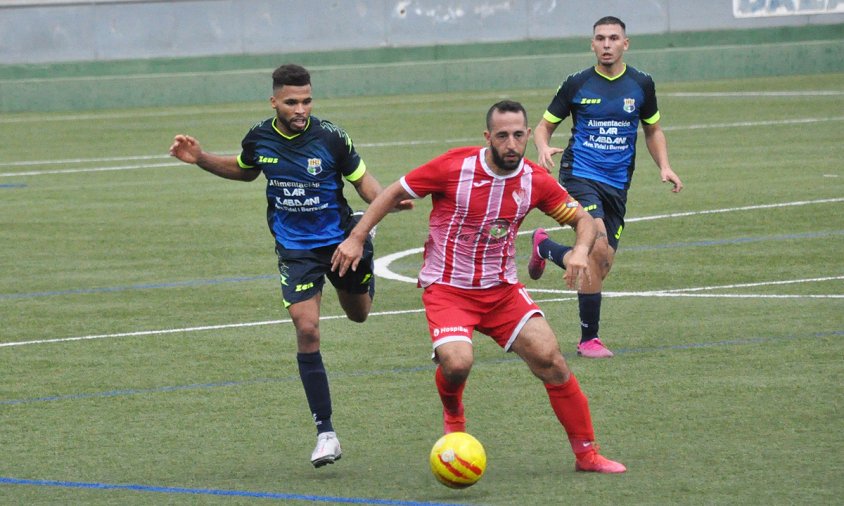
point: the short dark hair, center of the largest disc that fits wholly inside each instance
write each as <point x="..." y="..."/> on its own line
<point x="291" y="75"/>
<point x="610" y="20"/>
<point x="505" y="106"/>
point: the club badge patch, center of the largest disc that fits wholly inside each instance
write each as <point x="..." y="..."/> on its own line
<point x="629" y="105"/>
<point x="314" y="166"/>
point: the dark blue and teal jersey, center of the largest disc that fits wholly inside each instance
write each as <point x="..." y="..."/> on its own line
<point x="605" y="119"/>
<point x="306" y="208"/>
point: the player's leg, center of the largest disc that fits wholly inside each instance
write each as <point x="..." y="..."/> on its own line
<point x="452" y="317"/>
<point x="356" y="289"/>
<point x="537" y="346"/>
<point x="305" y="316"/>
<point x="589" y="296"/>
<point x="610" y="221"/>
<point x="454" y="363"/>
<point x="301" y="285"/>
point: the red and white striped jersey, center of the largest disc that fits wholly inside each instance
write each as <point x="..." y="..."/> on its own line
<point x="476" y="215"/>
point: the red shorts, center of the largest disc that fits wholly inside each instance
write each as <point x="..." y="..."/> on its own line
<point x="499" y="312"/>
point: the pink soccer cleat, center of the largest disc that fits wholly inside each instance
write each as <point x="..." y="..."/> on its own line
<point x="593" y="462"/>
<point x="536" y="264"/>
<point x="593" y="348"/>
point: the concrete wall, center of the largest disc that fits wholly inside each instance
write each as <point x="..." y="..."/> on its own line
<point x="52" y="31"/>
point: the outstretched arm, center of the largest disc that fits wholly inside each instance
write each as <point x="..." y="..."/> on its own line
<point x="658" y="148"/>
<point x="349" y="252"/>
<point x="368" y="188"/>
<point x="188" y="150"/>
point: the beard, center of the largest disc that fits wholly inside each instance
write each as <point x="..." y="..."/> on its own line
<point x="503" y="164"/>
<point x="289" y="126"/>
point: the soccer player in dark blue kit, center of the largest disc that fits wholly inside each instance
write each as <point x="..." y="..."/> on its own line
<point x="606" y="103"/>
<point x="305" y="160"/>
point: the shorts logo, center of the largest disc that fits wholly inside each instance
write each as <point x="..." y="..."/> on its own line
<point x="314" y="166"/>
<point x="450" y="330"/>
<point x="629" y="105"/>
<point x="304" y="286"/>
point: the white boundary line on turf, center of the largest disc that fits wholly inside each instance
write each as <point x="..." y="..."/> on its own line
<point x="373" y="145"/>
<point x="382" y="264"/>
<point x="659" y="293"/>
<point x="227" y="109"/>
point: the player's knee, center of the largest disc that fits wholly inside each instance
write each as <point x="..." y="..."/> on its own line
<point x="356" y="307"/>
<point x="358" y="317"/>
<point x="307" y="337"/>
<point x="456" y="368"/>
<point x="550" y="367"/>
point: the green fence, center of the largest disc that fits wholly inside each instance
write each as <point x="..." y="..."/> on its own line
<point x="525" y="64"/>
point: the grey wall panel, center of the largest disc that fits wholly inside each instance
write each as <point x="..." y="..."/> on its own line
<point x="145" y="30"/>
<point x="562" y="19"/>
<point x="47" y="34"/>
<point x="441" y="22"/>
<point x="306" y="25"/>
<point x="86" y="31"/>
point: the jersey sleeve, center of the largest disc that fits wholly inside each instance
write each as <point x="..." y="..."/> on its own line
<point x="349" y="162"/>
<point x="248" y="159"/>
<point x="427" y="178"/>
<point x="554" y="200"/>
<point x="649" y="111"/>
<point x="559" y="108"/>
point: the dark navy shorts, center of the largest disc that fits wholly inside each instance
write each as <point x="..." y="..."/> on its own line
<point x="601" y="201"/>
<point x="303" y="272"/>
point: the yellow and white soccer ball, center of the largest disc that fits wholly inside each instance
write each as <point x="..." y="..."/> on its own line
<point x="458" y="460"/>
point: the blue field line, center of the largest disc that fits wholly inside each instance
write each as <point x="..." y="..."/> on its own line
<point x="12" y="185"/>
<point x="242" y="279"/>
<point x="398" y="370"/>
<point x="217" y="492"/>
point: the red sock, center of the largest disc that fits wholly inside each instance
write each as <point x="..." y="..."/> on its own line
<point x="572" y="409"/>
<point x="451" y="394"/>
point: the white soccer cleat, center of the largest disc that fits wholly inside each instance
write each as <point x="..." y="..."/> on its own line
<point x="327" y="449"/>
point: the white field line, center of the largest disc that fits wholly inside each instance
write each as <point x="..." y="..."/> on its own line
<point x="372" y="145"/>
<point x="660" y="293"/>
<point x="228" y="109"/>
<point x="382" y="264"/>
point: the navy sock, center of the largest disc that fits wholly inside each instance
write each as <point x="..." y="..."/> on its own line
<point x="590" y="315"/>
<point x="315" y="381"/>
<point x="550" y="250"/>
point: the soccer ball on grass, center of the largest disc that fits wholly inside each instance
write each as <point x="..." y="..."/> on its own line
<point x="458" y="460"/>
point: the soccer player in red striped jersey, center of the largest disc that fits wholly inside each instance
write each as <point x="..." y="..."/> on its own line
<point x="480" y="197"/>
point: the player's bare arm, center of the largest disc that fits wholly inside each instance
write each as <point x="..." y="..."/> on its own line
<point x="349" y="252"/>
<point x="368" y="188"/>
<point x="658" y="148"/>
<point x="188" y="150"/>
<point x="542" y="140"/>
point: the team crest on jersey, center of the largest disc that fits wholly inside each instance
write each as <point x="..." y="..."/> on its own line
<point x="629" y="104"/>
<point x="498" y="228"/>
<point x="314" y="166"/>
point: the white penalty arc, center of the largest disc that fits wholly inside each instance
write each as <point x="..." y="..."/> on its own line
<point x="382" y="264"/>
